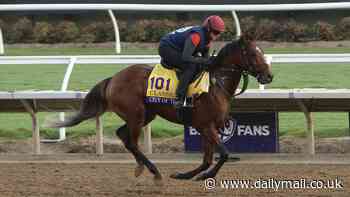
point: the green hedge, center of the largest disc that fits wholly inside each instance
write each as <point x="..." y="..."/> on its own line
<point x="23" y="30"/>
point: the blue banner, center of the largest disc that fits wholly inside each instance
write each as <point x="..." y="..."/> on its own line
<point x="243" y="133"/>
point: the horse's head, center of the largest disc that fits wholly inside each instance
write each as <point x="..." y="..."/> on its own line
<point x="253" y="61"/>
<point x="245" y="55"/>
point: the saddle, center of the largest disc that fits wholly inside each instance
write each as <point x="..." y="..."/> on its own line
<point x="161" y="89"/>
<point x="162" y="84"/>
<point x="178" y="71"/>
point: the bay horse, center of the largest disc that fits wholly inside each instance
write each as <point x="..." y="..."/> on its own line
<point x="124" y="94"/>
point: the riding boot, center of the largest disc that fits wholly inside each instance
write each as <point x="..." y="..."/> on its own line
<point x="181" y="91"/>
<point x="183" y="113"/>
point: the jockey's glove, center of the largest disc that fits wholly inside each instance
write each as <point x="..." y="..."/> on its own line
<point x="208" y="63"/>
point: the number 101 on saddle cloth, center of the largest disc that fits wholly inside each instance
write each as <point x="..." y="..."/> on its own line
<point x="162" y="84"/>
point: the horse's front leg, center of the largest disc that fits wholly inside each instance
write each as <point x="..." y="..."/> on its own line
<point x="207" y="161"/>
<point x="214" y="138"/>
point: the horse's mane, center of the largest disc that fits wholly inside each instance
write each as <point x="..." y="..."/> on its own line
<point x="224" y="52"/>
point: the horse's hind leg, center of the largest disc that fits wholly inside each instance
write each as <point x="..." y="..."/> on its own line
<point x="148" y="118"/>
<point x="129" y="135"/>
<point x="124" y="134"/>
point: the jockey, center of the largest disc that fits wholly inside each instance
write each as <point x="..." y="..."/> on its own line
<point x="187" y="49"/>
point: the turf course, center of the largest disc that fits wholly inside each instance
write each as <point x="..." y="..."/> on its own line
<point x="49" y="77"/>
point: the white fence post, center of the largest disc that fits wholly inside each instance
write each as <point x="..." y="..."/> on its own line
<point x="99" y="136"/>
<point x="64" y="88"/>
<point x="69" y="70"/>
<point x="1" y="43"/>
<point x="116" y="31"/>
<point x="310" y="127"/>
<point x="35" y="124"/>
<point x="147" y="139"/>
<point x="238" y="26"/>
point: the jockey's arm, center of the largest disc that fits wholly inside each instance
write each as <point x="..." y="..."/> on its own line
<point x="190" y="46"/>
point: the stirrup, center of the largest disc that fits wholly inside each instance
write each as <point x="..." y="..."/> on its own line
<point x="179" y="103"/>
<point x="184" y="111"/>
<point x="188" y="102"/>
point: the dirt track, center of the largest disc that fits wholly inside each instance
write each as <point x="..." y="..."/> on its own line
<point x="58" y="174"/>
<point x="42" y="178"/>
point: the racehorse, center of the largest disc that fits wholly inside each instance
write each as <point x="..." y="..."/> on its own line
<point x="124" y="94"/>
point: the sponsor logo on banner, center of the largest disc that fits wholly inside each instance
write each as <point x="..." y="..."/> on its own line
<point x="232" y="128"/>
<point x="227" y="132"/>
<point x="243" y="132"/>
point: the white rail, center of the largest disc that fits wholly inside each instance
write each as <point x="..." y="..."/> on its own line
<point x="172" y="7"/>
<point x="153" y="59"/>
<point x="176" y="7"/>
<point x="307" y="93"/>
<point x="252" y="100"/>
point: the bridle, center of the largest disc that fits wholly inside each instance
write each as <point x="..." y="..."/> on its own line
<point x="245" y="68"/>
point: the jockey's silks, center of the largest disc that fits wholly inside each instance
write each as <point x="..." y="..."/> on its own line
<point x="177" y="38"/>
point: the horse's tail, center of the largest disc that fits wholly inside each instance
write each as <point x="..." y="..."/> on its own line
<point x="94" y="104"/>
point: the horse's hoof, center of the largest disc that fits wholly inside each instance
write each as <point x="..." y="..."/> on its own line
<point x="139" y="170"/>
<point x="181" y="176"/>
<point x="203" y="176"/>
<point x="158" y="180"/>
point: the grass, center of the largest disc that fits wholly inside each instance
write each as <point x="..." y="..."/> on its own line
<point x="326" y="124"/>
<point x="307" y="50"/>
<point x="308" y="76"/>
<point x="75" y="51"/>
<point x="48" y="77"/>
<point x="17" y="126"/>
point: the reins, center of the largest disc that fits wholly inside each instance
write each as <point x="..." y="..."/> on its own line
<point x="245" y="69"/>
<point x="245" y="84"/>
<point x="244" y="87"/>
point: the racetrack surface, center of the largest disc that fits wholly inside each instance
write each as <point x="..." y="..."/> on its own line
<point x="113" y="175"/>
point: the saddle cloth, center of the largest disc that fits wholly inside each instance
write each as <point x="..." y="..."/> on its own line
<point x="162" y="84"/>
